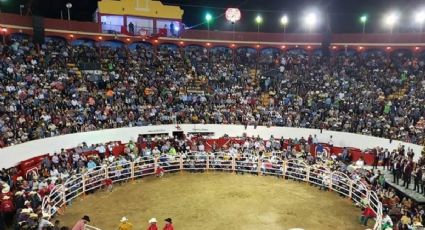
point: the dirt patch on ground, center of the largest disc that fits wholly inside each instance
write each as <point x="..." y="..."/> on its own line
<point x="216" y="201"/>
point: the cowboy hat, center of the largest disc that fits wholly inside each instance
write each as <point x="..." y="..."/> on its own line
<point x="6" y="198"/>
<point x="45" y="215"/>
<point x="19" y="193"/>
<point x="32" y="192"/>
<point x="27" y="202"/>
<point x="6" y="190"/>
<point x="25" y="210"/>
<point x="124" y="219"/>
<point x="86" y="218"/>
<point x="19" y="178"/>
<point x="168" y="220"/>
<point x="152" y="220"/>
<point x="33" y="215"/>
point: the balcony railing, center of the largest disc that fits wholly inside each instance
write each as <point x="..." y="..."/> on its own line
<point x="90" y="29"/>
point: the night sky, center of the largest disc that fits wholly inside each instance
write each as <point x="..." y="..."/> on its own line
<point x="343" y="14"/>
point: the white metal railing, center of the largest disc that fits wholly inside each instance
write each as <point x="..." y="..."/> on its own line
<point x="295" y="169"/>
<point x="89" y="227"/>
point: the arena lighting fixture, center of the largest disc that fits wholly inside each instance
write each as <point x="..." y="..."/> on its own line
<point x="208" y="18"/>
<point x="308" y="47"/>
<point x="420" y="17"/>
<point x="71" y="35"/>
<point x="284" y="20"/>
<point x="156" y="41"/>
<point x="232" y="45"/>
<point x="177" y="29"/>
<point x="388" y="47"/>
<point x="128" y="39"/>
<point x="208" y="44"/>
<point x="390" y="20"/>
<point x="283" y="47"/>
<point x="100" y="37"/>
<point x="363" y="20"/>
<point x="4" y="30"/>
<point x="360" y="47"/>
<point x="417" y="48"/>
<point x="310" y="20"/>
<point x="181" y="43"/>
<point x="334" y="47"/>
<point x="68" y="7"/>
<point x="258" y="19"/>
<point x="258" y="46"/>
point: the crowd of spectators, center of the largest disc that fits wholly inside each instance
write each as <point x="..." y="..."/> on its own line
<point x="43" y="94"/>
<point x="22" y="197"/>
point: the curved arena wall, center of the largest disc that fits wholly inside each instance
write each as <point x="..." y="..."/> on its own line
<point x="11" y="156"/>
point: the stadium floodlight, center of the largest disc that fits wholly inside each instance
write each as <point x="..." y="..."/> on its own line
<point x="258" y="19"/>
<point x="310" y="20"/>
<point x="390" y="20"/>
<point x="284" y="20"/>
<point x="208" y="18"/>
<point x="420" y="18"/>
<point x="363" y="20"/>
<point x="69" y="6"/>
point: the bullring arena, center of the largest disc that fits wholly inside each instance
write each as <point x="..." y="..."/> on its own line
<point x="143" y="116"/>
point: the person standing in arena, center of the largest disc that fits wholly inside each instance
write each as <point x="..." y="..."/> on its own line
<point x="81" y="224"/>
<point x="125" y="224"/>
<point x="168" y="224"/>
<point x="152" y="224"/>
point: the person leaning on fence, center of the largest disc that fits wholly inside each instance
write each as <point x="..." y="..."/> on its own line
<point x="108" y="184"/>
<point x="367" y="214"/>
<point x="152" y="224"/>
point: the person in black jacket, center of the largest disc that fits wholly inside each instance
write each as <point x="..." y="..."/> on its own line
<point x="417" y="175"/>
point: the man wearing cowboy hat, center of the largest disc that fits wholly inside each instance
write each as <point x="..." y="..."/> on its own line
<point x="152" y="224"/>
<point x="19" y="199"/>
<point x="125" y="225"/>
<point x="81" y="224"/>
<point x="168" y="224"/>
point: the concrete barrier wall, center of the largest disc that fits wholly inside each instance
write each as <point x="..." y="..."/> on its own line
<point x="11" y="156"/>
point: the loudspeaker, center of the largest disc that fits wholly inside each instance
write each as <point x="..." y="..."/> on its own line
<point x="38" y="29"/>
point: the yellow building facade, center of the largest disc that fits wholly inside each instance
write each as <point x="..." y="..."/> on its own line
<point x="140" y="8"/>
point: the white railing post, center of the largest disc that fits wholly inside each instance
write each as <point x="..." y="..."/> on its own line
<point x="285" y="168"/>
<point x="83" y="181"/>
<point x="208" y="161"/>
<point x="181" y="162"/>
<point x="330" y="181"/>
<point x="106" y="172"/>
<point x="307" y="174"/>
<point x="155" y="162"/>
<point x="64" y="194"/>
<point x="233" y="164"/>
<point x="132" y="169"/>
<point x="350" y="189"/>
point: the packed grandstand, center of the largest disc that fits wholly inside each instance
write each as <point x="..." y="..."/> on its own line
<point x="62" y="87"/>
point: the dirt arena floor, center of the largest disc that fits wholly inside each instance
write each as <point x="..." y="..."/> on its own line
<point x="217" y="201"/>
